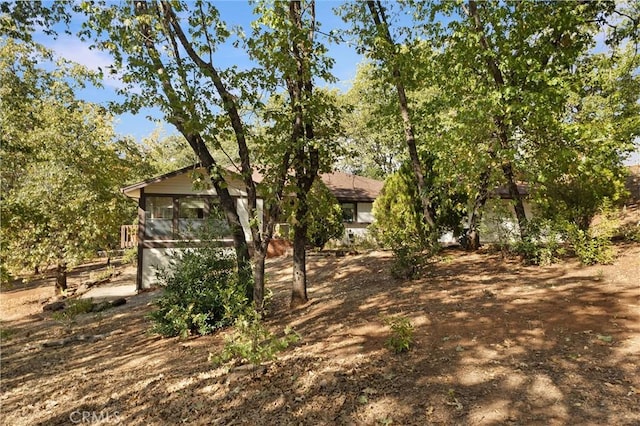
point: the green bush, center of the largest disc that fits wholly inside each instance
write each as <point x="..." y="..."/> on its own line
<point x="406" y="262"/>
<point x="324" y="218"/>
<point x="543" y="244"/>
<point x="202" y="293"/>
<point x="130" y="256"/>
<point x="591" y="249"/>
<point x="401" y="337"/>
<point x="630" y="232"/>
<point x="252" y="342"/>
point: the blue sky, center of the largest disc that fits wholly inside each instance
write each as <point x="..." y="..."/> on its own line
<point x="234" y="13"/>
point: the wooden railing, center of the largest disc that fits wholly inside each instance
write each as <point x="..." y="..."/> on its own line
<point x="128" y="236"/>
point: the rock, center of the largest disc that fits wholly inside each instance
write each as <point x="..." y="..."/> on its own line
<point x="118" y="302"/>
<point x="55" y="306"/>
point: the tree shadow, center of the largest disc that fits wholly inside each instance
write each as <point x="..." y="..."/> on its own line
<point x="495" y="343"/>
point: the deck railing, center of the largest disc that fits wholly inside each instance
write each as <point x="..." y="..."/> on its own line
<point x="128" y="236"/>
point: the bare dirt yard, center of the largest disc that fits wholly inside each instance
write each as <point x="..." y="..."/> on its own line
<point x="496" y="343"/>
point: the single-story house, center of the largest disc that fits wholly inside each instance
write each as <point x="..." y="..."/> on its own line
<point x="172" y="206"/>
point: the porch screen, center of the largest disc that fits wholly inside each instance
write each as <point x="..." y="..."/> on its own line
<point x="191" y="216"/>
<point x="159" y="217"/>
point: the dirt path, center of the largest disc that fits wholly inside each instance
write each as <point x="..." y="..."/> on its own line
<point x="495" y="343"/>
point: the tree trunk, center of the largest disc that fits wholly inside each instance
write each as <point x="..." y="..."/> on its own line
<point x="473" y="236"/>
<point x="180" y="113"/>
<point x="503" y="134"/>
<point x="258" y="274"/>
<point x="306" y="157"/>
<point x="518" y="204"/>
<point x="61" y="278"/>
<point x="377" y="14"/>
<point x="299" y="286"/>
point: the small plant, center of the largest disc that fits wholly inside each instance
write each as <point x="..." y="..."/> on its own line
<point x="103" y="275"/>
<point x="401" y="338"/>
<point x="252" y="342"/>
<point x="130" y="256"/>
<point x="630" y="232"/>
<point x="73" y="309"/>
<point x="5" y="334"/>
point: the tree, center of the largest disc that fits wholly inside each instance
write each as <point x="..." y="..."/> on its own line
<point x="288" y="48"/>
<point x="166" y="52"/>
<point x="62" y="165"/>
<point x="584" y="170"/>
<point x="324" y="215"/>
<point x="373" y="140"/>
<point x="370" y="24"/>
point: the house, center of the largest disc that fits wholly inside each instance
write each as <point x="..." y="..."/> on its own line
<point x="356" y="195"/>
<point x="172" y="207"/>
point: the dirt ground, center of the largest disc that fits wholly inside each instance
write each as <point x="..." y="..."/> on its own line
<point x="496" y="343"/>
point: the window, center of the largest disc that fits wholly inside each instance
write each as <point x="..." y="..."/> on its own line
<point x="159" y="217"/>
<point x="348" y="212"/>
<point x="175" y="217"/>
<point x="191" y="215"/>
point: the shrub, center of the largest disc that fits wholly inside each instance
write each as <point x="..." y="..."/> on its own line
<point x="591" y="249"/>
<point x="130" y="256"/>
<point x="401" y="337"/>
<point x="543" y="244"/>
<point x="406" y="262"/>
<point x="202" y="293"/>
<point x="630" y="232"/>
<point x="73" y="309"/>
<point x="324" y="218"/>
<point x="252" y="342"/>
<point x="593" y="245"/>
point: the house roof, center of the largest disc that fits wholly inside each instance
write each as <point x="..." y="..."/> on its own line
<point x="348" y="187"/>
<point x="344" y="186"/>
<point x="160" y="178"/>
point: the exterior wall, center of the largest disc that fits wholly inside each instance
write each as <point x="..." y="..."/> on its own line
<point x="499" y="221"/>
<point x="242" y="205"/>
<point x="154" y="259"/>
<point x="183" y="184"/>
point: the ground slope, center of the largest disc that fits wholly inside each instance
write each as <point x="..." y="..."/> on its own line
<point x="496" y="342"/>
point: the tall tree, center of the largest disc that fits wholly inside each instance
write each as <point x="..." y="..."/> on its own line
<point x="62" y="165"/>
<point x="167" y="54"/>
<point x="287" y="45"/>
<point x="371" y="25"/>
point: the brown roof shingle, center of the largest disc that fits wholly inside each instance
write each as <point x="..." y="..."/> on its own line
<point x="348" y="187"/>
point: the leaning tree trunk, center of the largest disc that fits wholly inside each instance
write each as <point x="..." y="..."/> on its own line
<point x="503" y="134"/>
<point x="377" y="14"/>
<point x="61" y="278"/>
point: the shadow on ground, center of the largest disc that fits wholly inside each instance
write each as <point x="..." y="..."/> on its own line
<point x="495" y="343"/>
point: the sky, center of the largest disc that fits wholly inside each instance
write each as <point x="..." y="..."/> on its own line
<point x="234" y="13"/>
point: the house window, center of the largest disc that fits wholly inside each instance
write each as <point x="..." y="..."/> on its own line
<point x="183" y="217"/>
<point x="191" y="215"/>
<point x="348" y="212"/>
<point x="159" y="217"/>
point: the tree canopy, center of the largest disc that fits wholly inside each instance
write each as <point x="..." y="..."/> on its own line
<point x="62" y="165"/>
